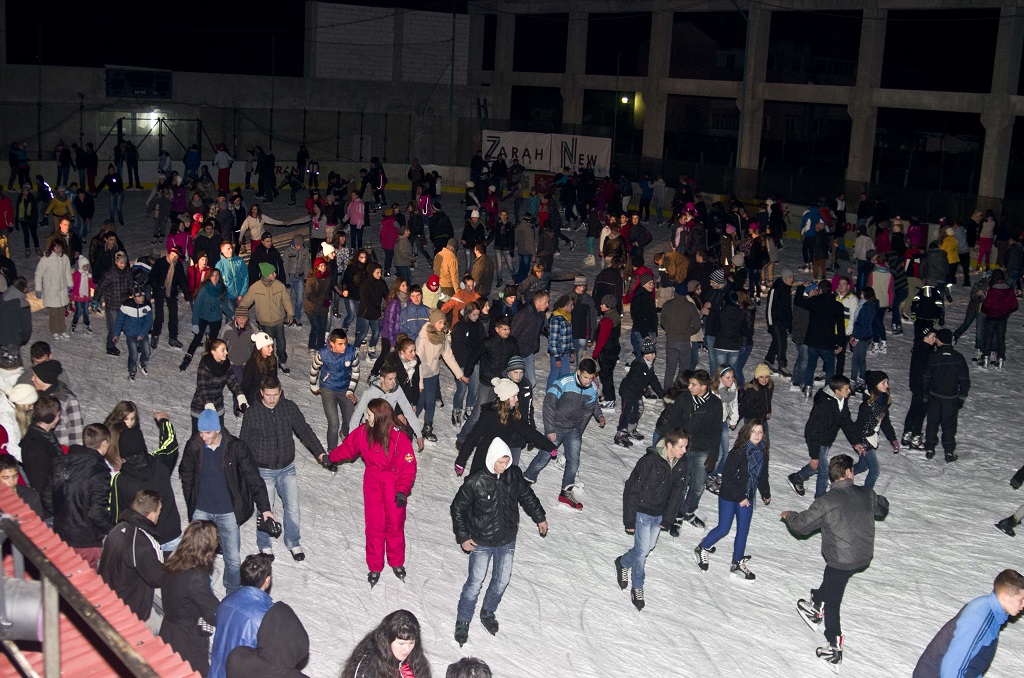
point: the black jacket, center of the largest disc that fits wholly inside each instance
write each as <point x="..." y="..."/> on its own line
<point x="946" y="375"/>
<point x="736" y="477"/>
<point x="486" y="507"/>
<point x="270" y="433"/>
<point x="827" y="328"/>
<point x="130" y="564"/>
<point x="779" y="309"/>
<point x="488" y="427"/>
<point x="39" y="449"/>
<point x="150" y="472"/>
<point x="640" y="376"/>
<point x="827" y="416"/>
<point x="756" y="403"/>
<point x="732" y="328"/>
<point x="282" y="643"/>
<point x="186" y="597"/>
<point x="919" y="357"/>
<point x="465" y="336"/>
<point x="158" y="276"/>
<point x="263" y="255"/>
<point x="492" y="354"/>
<point x="653" y="488"/>
<point x="644" y="313"/>
<point x="526" y="326"/>
<point x="78" y="496"/>
<point x="245" y="484"/>
<point x="609" y="281"/>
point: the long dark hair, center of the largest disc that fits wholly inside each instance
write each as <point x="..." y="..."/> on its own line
<point x="198" y="548"/>
<point x="373" y="658"/>
<point x="379" y="433"/>
<point x="744" y="436"/>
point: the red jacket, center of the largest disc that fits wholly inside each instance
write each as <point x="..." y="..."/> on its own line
<point x="6" y="214"/>
<point x="196" y="277"/>
<point x="400" y="464"/>
<point x="1000" y="302"/>
<point x="388" y="233"/>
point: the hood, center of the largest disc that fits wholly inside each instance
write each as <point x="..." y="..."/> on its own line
<point x="140" y="467"/>
<point x="10" y="377"/>
<point x="498" y="449"/>
<point x="282" y="640"/>
<point x="827" y="392"/>
<point x="13" y="293"/>
<point x="613" y="315"/>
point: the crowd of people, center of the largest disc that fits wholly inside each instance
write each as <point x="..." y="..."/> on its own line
<point x="482" y="305"/>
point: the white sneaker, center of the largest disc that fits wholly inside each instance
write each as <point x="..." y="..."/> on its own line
<point x="56" y="337"/>
<point x="560" y="461"/>
<point x="65" y="336"/>
<point x="795" y="389"/>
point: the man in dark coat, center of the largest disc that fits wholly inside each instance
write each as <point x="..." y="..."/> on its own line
<point x="130" y="564"/>
<point x="946" y="383"/>
<point x="167" y="279"/>
<point x="526" y="326"/>
<point x="266" y="253"/>
<point x="282" y="644"/>
<point x="493" y="355"/>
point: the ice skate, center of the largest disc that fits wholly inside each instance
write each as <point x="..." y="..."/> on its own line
<point x="693" y="520"/>
<point x="700" y="556"/>
<point x="929" y="454"/>
<point x="428" y="432"/>
<point x="297" y="554"/>
<point x="456" y="417"/>
<point x="399" y="572"/>
<point x="832" y="654"/>
<point x="634" y="434"/>
<point x="951" y="457"/>
<point x="622" y="439"/>
<point x="567" y="497"/>
<point x="1018" y="479"/>
<point x="740" y="570"/>
<point x="461" y="632"/>
<point x="999" y="361"/>
<point x="637" y="596"/>
<point x="489" y="621"/>
<point x="373" y="578"/>
<point x="812" y="613"/>
<point x="1006" y="526"/>
<point x="185" y="362"/>
<point x="917" y="442"/>
<point x="621" y="574"/>
<point x="797" y="483"/>
<point x="713" y="484"/>
<point x="983" y="362"/>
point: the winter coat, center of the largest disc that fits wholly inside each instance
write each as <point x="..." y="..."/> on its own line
<point x="135" y="320"/>
<point x="431" y="347"/>
<point x="732" y="327"/>
<point x="560" y="341"/>
<point x="114" y="287"/>
<point x="846" y="517"/>
<point x="568" y="406"/>
<point x="681" y="320"/>
<point x="53" y="280"/>
<point x="881" y="281"/>
<point x="756" y="402"/>
<point x="403" y="253"/>
<point x="483" y="274"/>
<point x="779" y="309"/>
<point x="372" y="293"/>
<point x="149" y="471"/>
<point x="239" y="341"/>
<point x="526" y="326"/>
<point x="947" y="375"/>
<point x="296" y="263"/>
<point x="737" y="484"/>
<point x="338" y="372"/>
<point x="966" y="644"/>
<point x="211" y="378"/>
<point x="39" y="450"/>
<point x="270" y="434"/>
<point x="187" y="597"/>
<point x="920" y="354"/>
<point x="644" y="313"/>
<point x="1000" y="302"/>
<point x="515" y="433"/>
<point x="265" y="255"/>
<point x="862" y="325"/>
<point x="486" y="507"/>
<point x="235" y="275"/>
<point x="526" y="239"/>
<point x="239" y="617"/>
<point x="873" y="417"/>
<point x="609" y="281"/>
<point x="640" y="376"/>
<point x="397" y="398"/>
<point x="270" y="301"/>
<point x="609" y="330"/>
<point x="254" y="227"/>
<point x="390" y="321"/>
<point x="927" y="305"/>
<point x="828" y="415"/>
<point x="78" y="496"/>
<point x="504" y="236"/>
<point x="446" y="267"/>
<point x="828" y="327"/>
<point x="654" y="488"/>
<point x="492" y="354"/>
<point x="15" y="318"/>
<point x="130" y="564"/>
<point x="700" y="417"/>
<point x="413" y="318"/>
<point x="158" y="278"/>
<point x="464" y="337"/>
<point x="81" y="290"/>
<point x="316" y="294"/>
<point x="584" y="318"/>
<point x="210" y="304"/>
<point x="245" y="486"/>
<point x="935" y="267"/>
<point x="282" y="643"/>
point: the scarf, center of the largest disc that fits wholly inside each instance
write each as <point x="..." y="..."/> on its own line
<point x="169" y="280"/>
<point x="436" y="338"/>
<point x="403" y="298"/>
<point x="215" y="368"/>
<point x="84" y="276"/>
<point x="755" y="462"/>
<point x="410" y="366"/>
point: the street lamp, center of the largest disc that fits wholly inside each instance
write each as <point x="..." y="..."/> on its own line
<point x="625" y="100"/>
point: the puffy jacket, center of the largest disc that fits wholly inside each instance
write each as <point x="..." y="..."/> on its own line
<point x="210" y="303"/>
<point x="569" y="406"/>
<point x="654" y="488"/>
<point x="316" y="293"/>
<point x="927" y="305"/>
<point x="53" y="280"/>
<point x="78" y="496"/>
<point x="235" y="275"/>
<point x="149" y="471"/>
<point x="270" y="434"/>
<point x="239" y="617"/>
<point x="245" y="486"/>
<point x="492" y="354"/>
<point x="881" y="281"/>
<point x="947" y="375"/>
<point x="862" y="326"/>
<point x="398" y="462"/>
<point x="1000" y="302"/>
<point x="130" y="564"/>
<point x="391" y="319"/>
<point x="828" y="415"/>
<point x="337" y="372"/>
<point x="135" y="320"/>
<point x="846" y="517"/>
<point x="486" y="507"/>
<point x="271" y="302"/>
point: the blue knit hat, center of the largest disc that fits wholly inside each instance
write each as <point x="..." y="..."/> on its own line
<point x="208" y="420"/>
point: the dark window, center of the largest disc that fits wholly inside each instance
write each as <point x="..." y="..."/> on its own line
<point x="707" y="45"/>
<point x="819" y="49"/>
<point x="536" y="109"/>
<point x="540" y="43"/>
<point x="128" y="83"/>
<point x="490" y="42"/>
<point x="618" y="44"/>
<point x="932" y="150"/>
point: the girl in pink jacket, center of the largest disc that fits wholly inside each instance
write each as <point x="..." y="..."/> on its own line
<point x="387" y="481"/>
<point x="355" y="217"/>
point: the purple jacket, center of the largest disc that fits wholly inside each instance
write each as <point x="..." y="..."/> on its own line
<point x="391" y="320"/>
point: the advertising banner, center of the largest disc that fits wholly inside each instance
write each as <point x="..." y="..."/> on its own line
<point x="549" y="152"/>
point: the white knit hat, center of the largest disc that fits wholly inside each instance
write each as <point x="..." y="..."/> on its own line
<point x="504" y="388"/>
<point x="327" y="249"/>
<point x="22" y="394"/>
<point x="474" y="214"/>
<point x="262" y="339"/>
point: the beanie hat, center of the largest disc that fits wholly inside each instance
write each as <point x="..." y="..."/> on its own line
<point x="871" y="254"/>
<point x="579" y="280"/>
<point x="692" y="286"/>
<point x="120" y="256"/>
<point x="511" y="291"/>
<point x="242" y="312"/>
<point x="515" y="363"/>
<point x="528" y="218"/>
<point x="504" y="389"/>
<point x="297" y="241"/>
<point x="737" y="259"/>
<point x="157" y="252"/>
<point x="435" y="315"/>
<point x="10" y="357"/>
<point x="762" y="370"/>
<point x="22" y="394"/>
<point x="718" y="276"/>
<point x="474" y="213"/>
<point x="649" y="346"/>
<point x="266" y="270"/>
<point x="452" y="244"/>
<point x="873" y="378"/>
<point x="327" y="249"/>
<point x="813" y="287"/>
<point x="645" y="278"/>
<point x="609" y="301"/>
<point x="208" y="419"/>
<point x="131" y="443"/>
<point x="433" y="283"/>
<point x="924" y="332"/>
<point x="199" y="217"/>
<point x="176" y="250"/>
<point x="491" y="188"/>
<point x="262" y="339"/>
<point x="945" y="335"/>
<point x="787" y="273"/>
<point x="730" y="229"/>
<point x="48" y="371"/>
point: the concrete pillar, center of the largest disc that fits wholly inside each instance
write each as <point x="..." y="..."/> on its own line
<point x="750" y="102"/>
<point x="998" y="118"/>
<point x="575" y="69"/>
<point x="308" y="47"/>
<point x="501" y="84"/>
<point x="995" y="157"/>
<point x="863" y="114"/>
<point x="656" y="101"/>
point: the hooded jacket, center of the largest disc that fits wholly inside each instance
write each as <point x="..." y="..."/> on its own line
<point x="271" y="302"/>
<point x="210" y="303"/>
<point x="245" y="485"/>
<point x="947" y="375"/>
<point x="148" y="471"/>
<point x="654" y="488"/>
<point x="78" y="496"/>
<point x="15" y="318"/>
<point x="135" y="320"/>
<point x="489" y="427"/>
<point x="282" y="643"/>
<point x="846" y="517"/>
<point x="130" y="564"/>
<point x="828" y="415"/>
<point x="486" y="507"/>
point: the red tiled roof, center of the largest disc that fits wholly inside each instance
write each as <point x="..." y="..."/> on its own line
<point x="82" y="654"/>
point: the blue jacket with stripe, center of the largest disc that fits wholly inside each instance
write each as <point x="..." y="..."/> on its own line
<point x="965" y="646"/>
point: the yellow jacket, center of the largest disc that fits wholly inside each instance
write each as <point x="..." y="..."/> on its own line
<point x="950" y="247"/>
<point x="446" y="267"/>
<point x="60" y="208"/>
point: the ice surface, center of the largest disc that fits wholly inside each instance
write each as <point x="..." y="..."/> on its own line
<point x="563" y="614"/>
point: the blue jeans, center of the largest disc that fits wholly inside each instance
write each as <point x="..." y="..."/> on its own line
<point x="230" y="542"/>
<point x="713" y="358"/>
<point x="404" y="272"/>
<point x="317" y="329"/>
<point x="868" y="461"/>
<point x="110" y="314"/>
<point x="428" y="398"/>
<point x="727" y="510"/>
<point x="645" y="537"/>
<point x="723" y="450"/>
<point x="462" y="388"/>
<point x="364" y="327"/>
<point x="524" y="267"/>
<point x="557" y="372"/>
<point x="801" y="366"/>
<point x="284" y="483"/>
<point x="581" y="349"/>
<point x="821" y="487"/>
<point x="135" y="348"/>
<point x="637" y="341"/>
<point x="298" y="294"/>
<point x="531" y="367"/>
<point x="571" y="442"/>
<point x="116" y="203"/>
<point x="81" y="311"/>
<point x="741" y="362"/>
<point x="729" y="358"/>
<point x="694" y="355"/>
<point x="695" y="484"/>
<point x="828" y="360"/>
<point x="858" y="366"/>
<point x="82" y="227"/>
<point x="479" y="559"/>
<point x="351" y="312"/>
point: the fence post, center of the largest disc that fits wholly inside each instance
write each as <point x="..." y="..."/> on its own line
<point x="337" y="137"/>
<point x="160" y="137"/>
<point x="385" y="154"/>
<point x="120" y="130"/>
<point x="304" y="112"/>
<point x="361" y="115"/>
<point x="270" y="142"/>
<point x="51" y="629"/>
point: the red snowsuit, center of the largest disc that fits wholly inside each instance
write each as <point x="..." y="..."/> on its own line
<point x="385" y="476"/>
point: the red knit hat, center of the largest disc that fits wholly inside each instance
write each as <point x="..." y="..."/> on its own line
<point x="433" y="283"/>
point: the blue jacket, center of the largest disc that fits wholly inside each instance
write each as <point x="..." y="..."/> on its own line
<point x="235" y="274"/>
<point x="965" y="646"/>
<point x="569" y="406"/>
<point x="209" y="304"/>
<point x="413" y="318"/>
<point x="809" y="221"/>
<point x="134" y="321"/>
<point x="337" y="372"/>
<point x="866" y="313"/>
<point x="238" y="621"/>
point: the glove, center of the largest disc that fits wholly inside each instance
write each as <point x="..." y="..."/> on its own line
<point x="961" y="400"/>
<point x="39" y="295"/>
<point x="271" y="527"/>
<point x="400" y="499"/>
<point x="195" y="329"/>
<point x="554" y="453"/>
<point x="243" y="404"/>
<point x="329" y="465"/>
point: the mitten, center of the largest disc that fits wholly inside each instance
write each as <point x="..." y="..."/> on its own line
<point x="39" y="295"/>
<point x="195" y="329"/>
<point x="554" y="453"/>
<point x="243" y="404"/>
<point x="400" y="499"/>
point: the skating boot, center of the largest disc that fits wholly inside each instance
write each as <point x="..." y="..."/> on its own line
<point x="1018" y="479"/>
<point x="832" y="654"/>
<point x="461" y="632"/>
<point x="399" y="572"/>
<point x="917" y="442"/>
<point x="567" y="497"/>
<point x="905" y="440"/>
<point x="621" y="574"/>
<point x="797" y="483"/>
<point x="883" y="347"/>
<point x="951" y="457"/>
<point x="373" y="578"/>
<point x="977" y="355"/>
<point x="700" y="556"/>
<point x="983" y="362"/>
<point x="740" y="570"/>
<point x="1006" y="525"/>
<point x="692" y="519"/>
<point x="489" y="621"/>
<point x="999" y="363"/>
<point x="456" y="417"/>
<point x="812" y="613"/>
<point x="185" y="362"/>
<point x="637" y="596"/>
<point x="428" y="432"/>
<point x="622" y="439"/>
<point x="634" y="434"/>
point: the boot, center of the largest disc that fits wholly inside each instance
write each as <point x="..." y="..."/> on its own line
<point x="185" y="362"/>
<point x="489" y="621"/>
<point x="905" y="440"/>
<point x="1006" y="526"/>
<point x="461" y="632"/>
<point x="917" y="442"/>
<point x="637" y="596"/>
<point x="999" y="363"/>
<point x="983" y="362"/>
<point x="373" y="578"/>
<point x="634" y="434"/>
<point x="1018" y="479"/>
<point x="622" y="439"/>
<point x="456" y="417"/>
<point x="399" y="572"/>
<point x="977" y="355"/>
<point x="428" y="432"/>
<point x="951" y="457"/>
<point x="832" y="654"/>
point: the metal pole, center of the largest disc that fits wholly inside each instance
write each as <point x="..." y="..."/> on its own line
<point x="361" y="114"/>
<point x="451" y="67"/>
<point x="81" y="120"/>
<point x="615" y="103"/>
<point x="273" y="78"/>
<point x="51" y="629"/>
<point x="120" y="130"/>
<point x="304" y="112"/>
<point x="385" y="137"/>
<point x="160" y="137"/>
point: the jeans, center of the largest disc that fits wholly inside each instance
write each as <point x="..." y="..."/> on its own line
<point x="741" y="362"/>
<point x="697" y="477"/>
<point x="729" y="358"/>
<point x="428" y="397"/>
<point x="727" y="510"/>
<point x="404" y="272"/>
<point x="581" y="349"/>
<point x="503" y="260"/>
<point x="479" y="559"/>
<point x="571" y="442"/>
<point x="135" y="347"/>
<point x="713" y="359"/>
<point x="461" y="389"/>
<point x="116" y="203"/>
<point x="364" y="327"/>
<point x="828" y="360"/>
<point x="276" y="333"/>
<point x="298" y="294"/>
<point x="351" y="313"/>
<point x="332" y="402"/>
<point x="524" y="267"/>
<point x="806" y="472"/>
<point x="531" y="367"/>
<point x="317" y="330"/>
<point x="723" y="450"/>
<point x="284" y="483"/>
<point x="558" y="372"/>
<point x="677" y="357"/>
<point x="801" y="366"/>
<point x="645" y="537"/>
<point x="160" y="299"/>
<point x="470" y="256"/>
<point x="110" y="314"/>
<point x="869" y="462"/>
<point x="81" y="311"/>
<point x="231" y="542"/>
<point x="82" y="227"/>
<point x="858" y="366"/>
